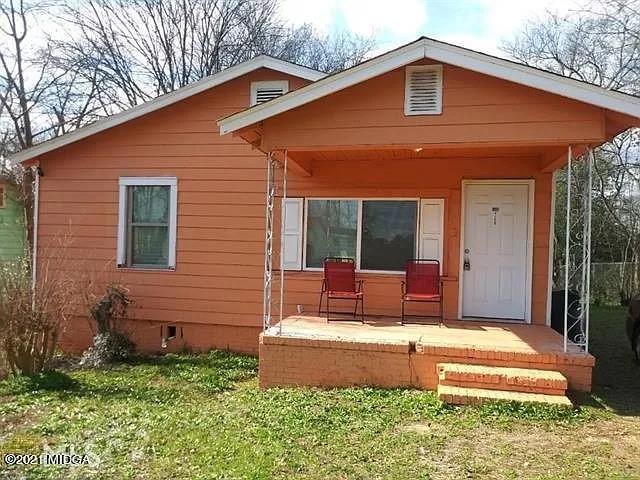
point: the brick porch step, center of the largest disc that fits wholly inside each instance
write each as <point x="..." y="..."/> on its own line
<point x="476" y="396"/>
<point x="523" y="380"/>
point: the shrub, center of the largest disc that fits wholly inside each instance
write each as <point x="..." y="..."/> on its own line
<point x="110" y="343"/>
<point x="32" y="317"/>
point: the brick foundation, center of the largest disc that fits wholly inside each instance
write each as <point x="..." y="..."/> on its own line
<point x="330" y="362"/>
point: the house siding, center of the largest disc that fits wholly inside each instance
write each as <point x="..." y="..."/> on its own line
<point x="421" y="178"/>
<point x="477" y="109"/>
<point x="12" y="226"/>
<point x="215" y="292"/>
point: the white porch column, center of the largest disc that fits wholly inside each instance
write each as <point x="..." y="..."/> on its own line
<point x="567" y="252"/>
<point x="268" y="244"/>
<point x="282" y="229"/>
<point x="577" y="274"/>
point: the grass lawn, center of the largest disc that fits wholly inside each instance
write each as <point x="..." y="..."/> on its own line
<point x="202" y="416"/>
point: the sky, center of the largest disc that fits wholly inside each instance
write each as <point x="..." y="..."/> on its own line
<point x="478" y="24"/>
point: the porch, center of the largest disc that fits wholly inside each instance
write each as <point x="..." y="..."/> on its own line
<point x="308" y="350"/>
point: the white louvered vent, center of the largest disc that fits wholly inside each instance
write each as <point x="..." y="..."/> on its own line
<point x="423" y="90"/>
<point x="262" y="92"/>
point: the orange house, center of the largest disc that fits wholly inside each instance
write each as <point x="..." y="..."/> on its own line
<point x="428" y="151"/>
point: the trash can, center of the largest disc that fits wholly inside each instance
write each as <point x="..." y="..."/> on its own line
<point x="557" y="312"/>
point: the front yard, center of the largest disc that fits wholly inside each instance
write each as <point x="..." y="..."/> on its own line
<point x="202" y="416"/>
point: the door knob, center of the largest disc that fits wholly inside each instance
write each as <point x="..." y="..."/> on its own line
<point x="467" y="261"/>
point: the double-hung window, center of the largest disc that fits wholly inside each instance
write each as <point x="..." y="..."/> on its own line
<point x="147" y="222"/>
<point x="381" y="235"/>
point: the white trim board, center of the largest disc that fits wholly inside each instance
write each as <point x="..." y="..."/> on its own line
<point x="531" y="208"/>
<point x="552" y="222"/>
<point x="262" y="61"/>
<point x="445" y="53"/>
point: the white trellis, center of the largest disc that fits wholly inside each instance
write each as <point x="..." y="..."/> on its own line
<point x="271" y="195"/>
<point x="268" y="242"/>
<point x="577" y="251"/>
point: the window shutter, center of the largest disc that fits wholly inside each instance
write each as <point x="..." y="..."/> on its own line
<point x="262" y="92"/>
<point x="423" y="90"/>
<point x="122" y="225"/>
<point x="432" y="229"/>
<point x="292" y="233"/>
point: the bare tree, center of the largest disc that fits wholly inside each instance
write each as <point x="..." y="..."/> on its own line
<point x="599" y="44"/>
<point x="326" y="53"/>
<point x="143" y="48"/>
<point x="23" y="80"/>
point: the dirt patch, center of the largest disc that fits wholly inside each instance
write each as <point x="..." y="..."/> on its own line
<point x="15" y="422"/>
<point x="595" y="450"/>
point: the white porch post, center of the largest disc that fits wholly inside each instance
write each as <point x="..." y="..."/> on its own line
<point x="268" y="243"/>
<point x="577" y="274"/>
<point x="282" y="230"/>
<point x="566" y="250"/>
<point x="587" y="240"/>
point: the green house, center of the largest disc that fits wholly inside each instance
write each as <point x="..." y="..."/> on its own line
<point x="13" y="238"/>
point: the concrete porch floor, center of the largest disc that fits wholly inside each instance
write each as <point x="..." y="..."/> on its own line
<point x="308" y="350"/>
<point x="480" y="334"/>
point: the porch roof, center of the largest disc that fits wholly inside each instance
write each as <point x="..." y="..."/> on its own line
<point x="491" y="108"/>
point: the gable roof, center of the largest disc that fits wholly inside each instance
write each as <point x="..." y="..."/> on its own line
<point x="445" y="53"/>
<point x="262" y="61"/>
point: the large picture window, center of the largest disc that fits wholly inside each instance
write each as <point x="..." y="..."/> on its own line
<point x="147" y="223"/>
<point x="381" y="235"/>
<point x="388" y="234"/>
<point x="332" y="230"/>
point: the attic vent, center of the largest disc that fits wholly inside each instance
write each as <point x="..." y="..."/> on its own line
<point x="423" y="90"/>
<point x="262" y="92"/>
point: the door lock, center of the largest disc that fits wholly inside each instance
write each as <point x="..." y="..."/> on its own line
<point x="467" y="262"/>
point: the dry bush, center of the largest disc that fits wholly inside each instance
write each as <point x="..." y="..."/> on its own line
<point x="32" y="317"/>
<point x="107" y="301"/>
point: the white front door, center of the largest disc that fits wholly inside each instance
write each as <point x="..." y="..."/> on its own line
<point x="495" y="251"/>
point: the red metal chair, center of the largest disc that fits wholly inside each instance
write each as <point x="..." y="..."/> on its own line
<point x="339" y="283"/>
<point x="422" y="284"/>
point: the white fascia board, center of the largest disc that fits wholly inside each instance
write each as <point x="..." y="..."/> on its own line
<point x="289" y="68"/>
<point x="532" y="77"/>
<point x="360" y="73"/>
<point x="263" y="61"/>
<point x="445" y="53"/>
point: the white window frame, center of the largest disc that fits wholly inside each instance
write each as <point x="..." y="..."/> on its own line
<point x="359" y="230"/>
<point x="125" y="182"/>
<point x="423" y="68"/>
<point x="255" y="86"/>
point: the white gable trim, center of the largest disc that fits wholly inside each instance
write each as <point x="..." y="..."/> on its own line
<point x="445" y="53"/>
<point x="263" y="61"/>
